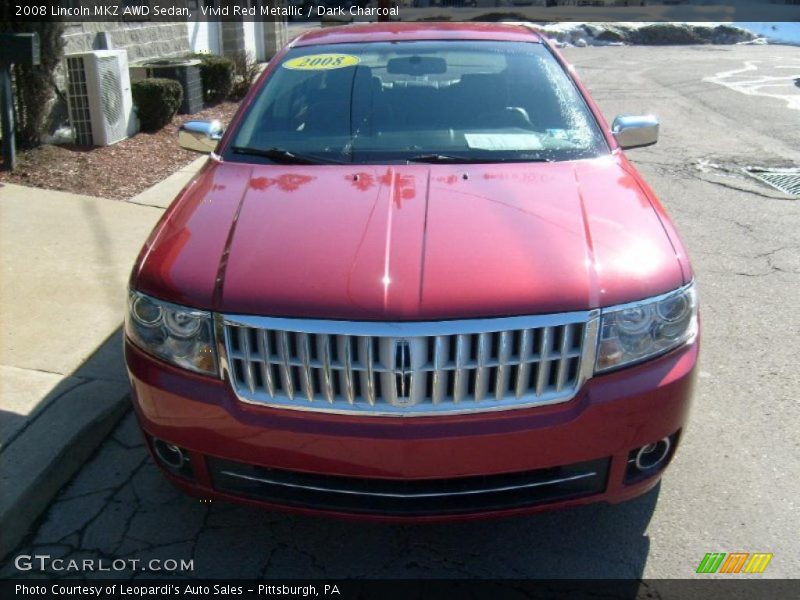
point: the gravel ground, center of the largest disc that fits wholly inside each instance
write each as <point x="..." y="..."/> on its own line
<point x="119" y="171"/>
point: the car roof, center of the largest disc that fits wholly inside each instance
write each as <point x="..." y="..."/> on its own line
<point x="382" y="32"/>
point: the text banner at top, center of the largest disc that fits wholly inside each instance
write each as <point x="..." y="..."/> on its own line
<point x="333" y="12"/>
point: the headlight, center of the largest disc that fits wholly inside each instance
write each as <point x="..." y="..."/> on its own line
<point x="634" y="332"/>
<point x="179" y="335"/>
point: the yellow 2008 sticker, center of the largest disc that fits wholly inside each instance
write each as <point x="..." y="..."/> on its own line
<point x="321" y="62"/>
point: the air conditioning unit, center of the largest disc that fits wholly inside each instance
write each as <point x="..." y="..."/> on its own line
<point x="99" y="97"/>
<point x="185" y="71"/>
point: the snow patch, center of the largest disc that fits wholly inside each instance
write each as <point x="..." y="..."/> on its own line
<point x="619" y="33"/>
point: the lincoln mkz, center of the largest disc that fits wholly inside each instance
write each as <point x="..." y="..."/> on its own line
<point x="417" y="278"/>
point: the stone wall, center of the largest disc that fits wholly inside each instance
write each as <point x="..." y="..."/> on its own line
<point x="275" y="33"/>
<point x="142" y="40"/>
<point x="232" y="37"/>
<point x="276" y="36"/>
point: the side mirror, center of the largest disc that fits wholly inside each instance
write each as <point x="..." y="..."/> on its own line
<point x="200" y="136"/>
<point x="635" y="131"/>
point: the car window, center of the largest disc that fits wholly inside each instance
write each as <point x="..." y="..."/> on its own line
<point x="392" y="102"/>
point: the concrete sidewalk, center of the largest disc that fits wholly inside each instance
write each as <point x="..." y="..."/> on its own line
<point x="63" y="272"/>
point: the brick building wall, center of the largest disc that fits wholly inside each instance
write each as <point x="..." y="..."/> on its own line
<point x="142" y="40"/>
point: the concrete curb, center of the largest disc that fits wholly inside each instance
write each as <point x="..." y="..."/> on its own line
<point x="73" y="425"/>
<point x="163" y="193"/>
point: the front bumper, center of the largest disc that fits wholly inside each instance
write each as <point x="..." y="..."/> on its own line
<point x="417" y="457"/>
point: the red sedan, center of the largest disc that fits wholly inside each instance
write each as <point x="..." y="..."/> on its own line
<point x="417" y="278"/>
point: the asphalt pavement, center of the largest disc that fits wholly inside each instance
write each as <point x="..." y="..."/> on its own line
<point x="733" y="485"/>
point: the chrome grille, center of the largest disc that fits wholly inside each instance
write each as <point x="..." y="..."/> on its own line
<point x="409" y="368"/>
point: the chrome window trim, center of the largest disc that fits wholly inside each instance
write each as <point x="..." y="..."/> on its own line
<point x="590" y="319"/>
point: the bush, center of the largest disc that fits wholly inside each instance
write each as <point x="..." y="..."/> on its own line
<point x="34" y="86"/>
<point x="245" y="71"/>
<point x="157" y="100"/>
<point x="217" y="75"/>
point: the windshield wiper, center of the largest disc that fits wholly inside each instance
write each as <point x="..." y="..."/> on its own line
<point x="445" y="158"/>
<point x="279" y="155"/>
<point x="441" y="158"/>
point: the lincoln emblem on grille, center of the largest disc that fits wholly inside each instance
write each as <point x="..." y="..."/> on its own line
<point x="402" y="369"/>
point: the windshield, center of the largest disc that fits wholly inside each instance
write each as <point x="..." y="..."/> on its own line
<point x="440" y="101"/>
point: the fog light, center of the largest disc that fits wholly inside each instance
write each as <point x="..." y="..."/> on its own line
<point x="652" y="455"/>
<point x="649" y="459"/>
<point x="170" y="455"/>
<point x="174" y="458"/>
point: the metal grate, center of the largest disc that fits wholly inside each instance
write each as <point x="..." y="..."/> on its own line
<point x="79" y="101"/>
<point x="188" y="76"/>
<point x="409" y="368"/>
<point x="785" y="180"/>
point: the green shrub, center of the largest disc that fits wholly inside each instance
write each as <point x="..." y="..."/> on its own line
<point x="245" y="71"/>
<point x="157" y="100"/>
<point x="217" y="75"/>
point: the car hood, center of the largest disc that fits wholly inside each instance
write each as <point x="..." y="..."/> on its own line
<point x="412" y="242"/>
